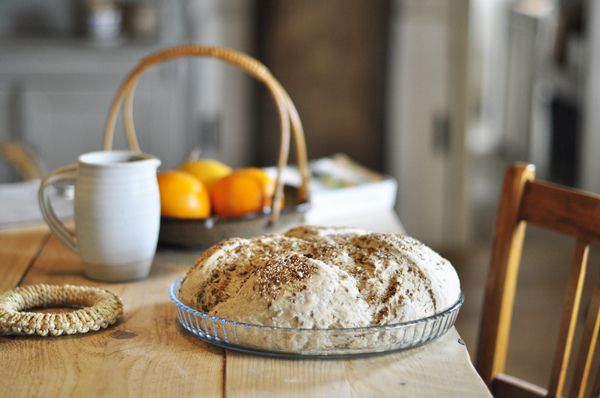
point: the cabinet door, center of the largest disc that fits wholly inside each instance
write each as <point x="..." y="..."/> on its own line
<point x="425" y="148"/>
<point x="64" y="116"/>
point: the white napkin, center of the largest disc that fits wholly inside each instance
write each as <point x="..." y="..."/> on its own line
<point x="19" y="205"/>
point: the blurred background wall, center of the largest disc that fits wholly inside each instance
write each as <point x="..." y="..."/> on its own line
<point x="440" y="94"/>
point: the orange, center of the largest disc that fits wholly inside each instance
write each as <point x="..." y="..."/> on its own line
<point x="182" y="195"/>
<point x="237" y="194"/>
<point x="208" y="171"/>
<point x="267" y="183"/>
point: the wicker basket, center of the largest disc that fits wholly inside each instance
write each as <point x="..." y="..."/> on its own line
<point x="196" y="233"/>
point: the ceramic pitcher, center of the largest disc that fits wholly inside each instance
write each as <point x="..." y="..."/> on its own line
<point x="117" y="213"/>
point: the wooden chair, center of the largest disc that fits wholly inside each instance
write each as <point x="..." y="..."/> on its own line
<point x="26" y="164"/>
<point x="561" y="209"/>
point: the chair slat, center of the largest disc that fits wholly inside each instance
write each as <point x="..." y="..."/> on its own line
<point x="596" y="387"/>
<point x="569" y="319"/>
<point x="587" y="347"/>
<point x="568" y="211"/>
<point x="502" y="278"/>
<point x="508" y="386"/>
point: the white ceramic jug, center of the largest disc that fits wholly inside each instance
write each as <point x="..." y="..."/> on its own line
<point x="117" y="213"/>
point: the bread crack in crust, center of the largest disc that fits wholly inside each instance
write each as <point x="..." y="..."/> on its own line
<point x="321" y="277"/>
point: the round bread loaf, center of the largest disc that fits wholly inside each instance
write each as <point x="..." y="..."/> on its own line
<point x="321" y="277"/>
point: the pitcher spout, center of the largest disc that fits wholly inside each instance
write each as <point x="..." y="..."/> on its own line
<point x="155" y="162"/>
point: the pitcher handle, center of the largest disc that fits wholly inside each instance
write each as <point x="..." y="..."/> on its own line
<point x="66" y="173"/>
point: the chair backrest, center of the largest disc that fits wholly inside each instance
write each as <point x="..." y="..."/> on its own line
<point x="22" y="159"/>
<point x="524" y="200"/>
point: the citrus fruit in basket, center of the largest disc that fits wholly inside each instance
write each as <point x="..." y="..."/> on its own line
<point x="208" y="171"/>
<point x="267" y="183"/>
<point x="237" y="194"/>
<point x="182" y="195"/>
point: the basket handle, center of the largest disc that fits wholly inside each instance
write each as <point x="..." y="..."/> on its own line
<point x="286" y="109"/>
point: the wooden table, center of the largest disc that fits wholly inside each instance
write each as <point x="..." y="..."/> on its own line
<point x="147" y="354"/>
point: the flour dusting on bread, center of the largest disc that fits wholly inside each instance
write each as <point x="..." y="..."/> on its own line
<point x="321" y="277"/>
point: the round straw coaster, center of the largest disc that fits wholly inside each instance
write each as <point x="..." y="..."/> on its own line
<point x="100" y="308"/>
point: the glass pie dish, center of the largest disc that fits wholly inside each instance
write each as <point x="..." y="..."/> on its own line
<point x="312" y="343"/>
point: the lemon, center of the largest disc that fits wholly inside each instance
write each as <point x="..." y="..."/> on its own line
<point x="208" y="171"/>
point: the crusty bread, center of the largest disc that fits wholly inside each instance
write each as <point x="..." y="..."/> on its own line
<point x="321" y="277"/>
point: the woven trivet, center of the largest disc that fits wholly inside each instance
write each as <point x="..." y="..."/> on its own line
<point x="101" y="308"/>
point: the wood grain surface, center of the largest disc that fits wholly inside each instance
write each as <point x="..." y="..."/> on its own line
<point x="147" y="354"/>
<point x="18" y="250"/>
<point x="562" y="209"/>
<point x="439" y="369"/>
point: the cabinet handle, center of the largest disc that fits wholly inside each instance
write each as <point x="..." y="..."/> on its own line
<point x="441" y="133"/>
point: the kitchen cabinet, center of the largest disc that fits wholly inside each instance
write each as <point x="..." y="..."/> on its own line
<point x="57" y="95"/>
<point x="427" y="112"/>
<point x="55" y="91"/>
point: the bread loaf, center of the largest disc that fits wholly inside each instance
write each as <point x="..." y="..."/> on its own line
<point x="320" y="278"/>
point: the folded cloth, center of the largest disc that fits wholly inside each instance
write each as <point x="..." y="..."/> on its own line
<point x="19" y="205"/>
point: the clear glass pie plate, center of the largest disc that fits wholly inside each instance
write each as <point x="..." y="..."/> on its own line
<point x="312" y="343"/>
